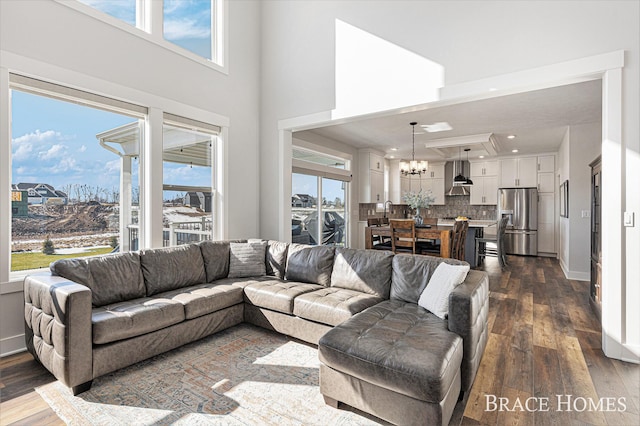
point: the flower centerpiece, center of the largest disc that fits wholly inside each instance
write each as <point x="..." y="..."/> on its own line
<point x="418" y="200"/>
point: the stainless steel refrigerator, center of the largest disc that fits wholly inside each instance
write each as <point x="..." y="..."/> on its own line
<point x="520" y="205"/>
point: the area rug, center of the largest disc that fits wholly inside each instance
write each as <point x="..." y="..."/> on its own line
<point x="241" y="376"/>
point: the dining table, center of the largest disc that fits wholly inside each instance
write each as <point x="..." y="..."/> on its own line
<point x="427" y="232"/>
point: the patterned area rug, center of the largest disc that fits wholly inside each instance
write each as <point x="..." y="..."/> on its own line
<point x="243" y="375"/>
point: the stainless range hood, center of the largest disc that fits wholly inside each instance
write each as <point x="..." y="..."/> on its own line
<point x="452" y="170"/>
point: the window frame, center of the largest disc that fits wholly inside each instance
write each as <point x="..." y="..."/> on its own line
<point x="153" y="119"/>
<point x="149" y="26"/>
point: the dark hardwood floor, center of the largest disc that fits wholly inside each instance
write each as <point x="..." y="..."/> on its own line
<point x="544" y="341"/>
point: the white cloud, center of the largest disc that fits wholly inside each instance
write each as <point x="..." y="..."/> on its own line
<point x="83" y="148"/>
<point x="112" y="166"/>
<point x="36" y="136"/>
<point x="185" y="28"/>
<point x="23" y="152"/>
<point x="56" y="151"/>
<point x="65" y="165"/>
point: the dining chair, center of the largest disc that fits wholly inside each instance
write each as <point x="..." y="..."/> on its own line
<point x="403" y="236"/>
<point x="497" y="244"/>
<point x="458" y="239"/>
<point x="379" y="242"/>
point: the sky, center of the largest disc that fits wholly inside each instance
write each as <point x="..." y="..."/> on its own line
<point x="306" y="184"/>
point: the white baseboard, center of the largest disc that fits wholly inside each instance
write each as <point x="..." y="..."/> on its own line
<point x="12" y="345"/>
<point x="574" y="275"/>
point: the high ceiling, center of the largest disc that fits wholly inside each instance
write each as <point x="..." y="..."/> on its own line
<point x="539" y="120"/>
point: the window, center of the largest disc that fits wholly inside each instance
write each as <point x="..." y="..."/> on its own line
<point x="188" y="180"/>
<point x="319" y="213"/>
<point x="193" y="28"/>
<point x="125" y="10"/>
<point x="189" y="25"/>
<point x="74" y="181"/>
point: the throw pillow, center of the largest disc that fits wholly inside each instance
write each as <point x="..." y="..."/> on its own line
<point x="435" y="297"/>
<point x="247" y="259"/>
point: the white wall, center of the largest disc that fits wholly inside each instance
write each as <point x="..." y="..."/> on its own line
<point x="48" y="40"/>
<point x="582" y="144"/>
<point x="472" y="41"/>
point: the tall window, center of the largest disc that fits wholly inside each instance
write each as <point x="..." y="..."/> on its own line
<point x="193" y="25"/>
<point x="188" y="180"/>
<point x="73" y="192"/>
<point x="319" y="214"/>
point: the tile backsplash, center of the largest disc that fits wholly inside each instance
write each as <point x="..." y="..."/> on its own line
<point x="459" y="206"/>
<point x="454" y="206"/>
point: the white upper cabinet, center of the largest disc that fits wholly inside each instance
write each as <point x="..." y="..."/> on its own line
<point x="546" y="163"/>
<point x="376" y="162"/>
<point x="484" y="190"/>
<point x="371" y="178"/>
<point x="484" y="168"/>
<point x="435" y="171"/>
<point x="546" y="182"/>
<point x="519" y="172"/>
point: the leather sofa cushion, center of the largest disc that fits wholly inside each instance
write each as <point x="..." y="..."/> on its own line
<point x="309" y="264"/>
<point x="139" y="316"/>
<point x="277" y="258"/>
<point x="172" y="268"/>
<point x="366" y="271"/>
<point x="216" y="259"/>
<point x="410" y="275"/>
<point x="111" y="278"/>
<point x="277" y="295"/>
<point x="332" y="305"/>
<point x="398" y="346"/>
<point x="204" y="299"/>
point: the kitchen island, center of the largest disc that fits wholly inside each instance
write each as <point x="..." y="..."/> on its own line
<point x="476" y="229"/>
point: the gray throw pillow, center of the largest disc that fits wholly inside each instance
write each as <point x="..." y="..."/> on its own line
<point x="247" y="259"/>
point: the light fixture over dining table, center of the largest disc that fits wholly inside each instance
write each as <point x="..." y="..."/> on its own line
<point x="413" y="167"/>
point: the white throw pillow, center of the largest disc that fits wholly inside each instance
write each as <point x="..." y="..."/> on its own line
<point x="435" y="296"/>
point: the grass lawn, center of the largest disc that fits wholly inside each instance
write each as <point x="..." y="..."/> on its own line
<point x="23" y="261"/>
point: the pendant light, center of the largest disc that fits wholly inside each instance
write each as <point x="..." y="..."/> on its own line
<point x="460" y="179"/>
<point x="413" y="167"/>
<point x="468" y="180"/>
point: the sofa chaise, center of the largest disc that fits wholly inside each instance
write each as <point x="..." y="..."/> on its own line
<point x="91" y="316"/>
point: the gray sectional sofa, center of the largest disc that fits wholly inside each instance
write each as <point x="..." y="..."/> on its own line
<point x="91" y="316"/>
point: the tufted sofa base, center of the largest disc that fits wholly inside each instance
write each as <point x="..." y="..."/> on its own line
<point x="394" y="407"/>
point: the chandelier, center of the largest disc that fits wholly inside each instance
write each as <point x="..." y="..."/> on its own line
<point x="413" y="167"/>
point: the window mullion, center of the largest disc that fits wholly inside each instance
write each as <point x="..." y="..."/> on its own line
<point x="155" y="18"/>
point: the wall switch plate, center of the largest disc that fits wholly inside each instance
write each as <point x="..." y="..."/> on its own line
<point x="586" y="213"/>
<point x="629" y="219"/>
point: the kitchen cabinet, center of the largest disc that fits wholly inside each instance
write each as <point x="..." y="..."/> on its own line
<point x="484" y="168"/>
<point x="546" y="182"/>
<point x="519" y="172"/>
<point x="546" y="222"/>
<point x="426" y="183"/>
<point x="371" y="177"/>
<point x="484" y="190"/>
<point x="546" y="164"/>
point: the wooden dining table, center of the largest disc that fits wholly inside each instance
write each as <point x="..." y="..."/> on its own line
<point x="442" y="233"/>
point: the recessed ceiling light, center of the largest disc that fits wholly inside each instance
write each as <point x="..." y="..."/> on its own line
<point x="492" y="89"/>
<point x="482" y="156"/>
<point x="441" y="126"/>
<point x="394" y="149"/>
<point x="511" y="137"/>
<point x="392" y="156"/>
<point x="514" y="150"/>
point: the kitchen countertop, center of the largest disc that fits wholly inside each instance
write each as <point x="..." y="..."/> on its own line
<point x="472" y="223"/>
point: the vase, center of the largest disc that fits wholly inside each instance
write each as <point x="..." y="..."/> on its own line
<point x="417" y="217"/>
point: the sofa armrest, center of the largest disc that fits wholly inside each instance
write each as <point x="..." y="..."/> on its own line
<point x="468" y="317"/>
<point x="57" y="315"/>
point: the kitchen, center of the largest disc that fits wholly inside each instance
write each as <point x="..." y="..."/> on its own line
<point x="539" y="139"/>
